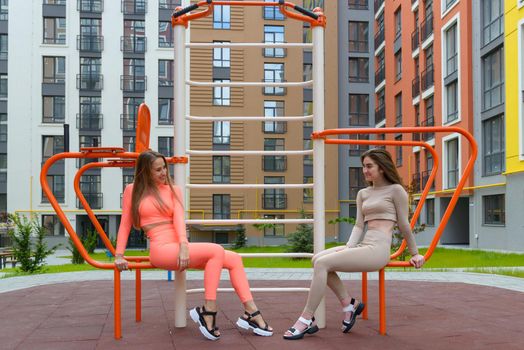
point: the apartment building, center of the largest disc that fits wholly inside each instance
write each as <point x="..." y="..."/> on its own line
<point x="84" y="66"/>
<point x="4" y="31"/>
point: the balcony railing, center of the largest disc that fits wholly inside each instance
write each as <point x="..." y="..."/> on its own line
<point x="380" y="75"/>
<point x="416" y="181"/>
<point x="90" y="43"/>
<point x="415" y="39"/>
<point x="380" y="114"/>
<point x="378" y="3"/>
<point x="274" y="201"/>
<point x="134" y="7"/>
<point x="56" y="40"/>
<point x="274" y="127"/>
<point x="428" y="122"/>
<point x="90" y="6"/>
<point x="89" y="122"/>
<point x="168" y="4"/>
<point x="274" y="163"/>
<point x="95" y="200"/>
<point x="53" y="119"/>
<point x="425" y="177"/>
<point x="127" y="122"/>
<point x="357" y="5"/>
<point x="133" y="44"/>
<point x="132" y="83"/>
<point x="427" y="78"/>
<point x="89" y="82"/>
<point x="426" y="27"/>
<point x="415" y="87"/>
<point x="379" y="38"/>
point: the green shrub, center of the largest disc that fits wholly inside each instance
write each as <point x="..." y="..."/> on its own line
<point x="301" y="241"/>
<point x="240" y="240"/>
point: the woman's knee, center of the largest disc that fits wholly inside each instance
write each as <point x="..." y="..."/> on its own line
<point x="232" y="259"/>
<point x="321" y="264"/>
<point x="216" y="250"/>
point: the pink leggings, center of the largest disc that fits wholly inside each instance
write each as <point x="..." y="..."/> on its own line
<point x="209" y="257"/>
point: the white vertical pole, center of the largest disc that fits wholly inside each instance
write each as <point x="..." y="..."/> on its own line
<point x="318" y="155"/>
<point x="179" y="102"/>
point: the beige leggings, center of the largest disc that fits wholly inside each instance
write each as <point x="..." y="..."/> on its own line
<point x="372" y="254"/>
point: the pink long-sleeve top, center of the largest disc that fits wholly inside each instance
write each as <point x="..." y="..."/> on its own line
<point x="150" y="213"/>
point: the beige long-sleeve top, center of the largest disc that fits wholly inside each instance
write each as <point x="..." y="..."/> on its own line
<point x="387" y="203"/>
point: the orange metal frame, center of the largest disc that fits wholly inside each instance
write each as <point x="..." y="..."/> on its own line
<point x="447" y="214"/>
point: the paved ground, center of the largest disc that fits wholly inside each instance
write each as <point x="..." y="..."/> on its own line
<point x="431" y="315"/>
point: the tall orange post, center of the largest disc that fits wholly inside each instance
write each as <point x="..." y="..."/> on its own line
<point x="382" y="301"/>
<point x="138" y="295"/>
<point x="365" y="294"/>
<point x="118" y="320"/>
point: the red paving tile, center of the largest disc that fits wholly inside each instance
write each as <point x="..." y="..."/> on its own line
<point x="421" y="315"/>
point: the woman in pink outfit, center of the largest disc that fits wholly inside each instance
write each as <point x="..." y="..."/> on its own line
<point x="153" y="204"/>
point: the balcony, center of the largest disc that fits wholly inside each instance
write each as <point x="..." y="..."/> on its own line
<point x="127" y="122"/>
<point x="133" y="44"/>
<point x="90" y="6"/>
<point x="274" y="163"/>
<point x="274" y="201"/>
<point x="426" y="27"/>
<point x="425" y="177"/>
<point x="89" y="122"/>
<point x="379" y="38"/>
<point x="428" y="79"/>
<point x="95" y="200"/>
<point x="415" y="87"/>
<point x="274" y="127"/>
<point x="90" y="43"/>
<point x="416" y="181"/>
<point x="380" y="75"/>
<point x="89" y="82"/>
<point x="131" y="83"/>
<point x="380" y="114"/>
<point x="168" y="4"/>
<point x="378" y="3"/>
<point x="134" y="7"/>
<point x="415" y="39"/>
<point x="428" y="122"/>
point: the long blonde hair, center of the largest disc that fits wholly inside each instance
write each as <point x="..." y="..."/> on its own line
<point x="145" y="185"/>
<point x="385" y="162"/>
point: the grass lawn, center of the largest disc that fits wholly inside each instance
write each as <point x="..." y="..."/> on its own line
<point x="442" y="259"/>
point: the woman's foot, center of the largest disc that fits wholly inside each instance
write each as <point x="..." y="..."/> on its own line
<point x="255" y="322"/>
<point x="206" y="321"/>
<point x="301" y="327"/>
<point x="351" y="312"/>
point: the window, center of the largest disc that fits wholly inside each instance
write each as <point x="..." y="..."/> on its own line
<point x="134" y="7"/>
<point x="221" y="133"/>
<point x="52" y="225"/>
<point x="358" y="4"/>
<point x="130" y="108"/>
<point x="451" y="101"/>
<point x="90" y="77"/>
<point x="428" y="54"/>
<point x="274" y="34"/>
<point x="3" y="46"/>
<point x="93" y="6"/>
<point x="274" y="73"/>
<point x="4" y="10"/>
<point x="221" y="206"/>
<point x="53" y="69"/>
<point x="165" y="111"/>
<point x="134" y="39"/>
<point x="57" y="187"/>
<point x="357" y="150"/>
<point x="358" y="69"/>
<point x="493" y="79"/>
<point x="430" y="211"/>
<point x="53" y="109"/>
<point x="307" y="193"/>
<point x="398" y="109"/>
<point x="54" y="30"/>
<point x="165" y="34"/>
<point x="3" y="86"/>
<point x="398" y="65"/>
<point x="91" y="185"/>
<point x="358" y="36"/>
<point x="448" y="4"/>
<point x="134" y="79"/>
<point x="90" y="117"/>
<point x="275" y="229"/>
<point x="358" y="110"/>
<point x="356" y="181"/>
<point x="90" y="38"/>
<point x="398" y="22"/>
<point x="221" y="56"/>
<point x="274" y="109"/>
<point x="398" y="152"/>
<point x="451" y="50"/>
<point x="272" y="12"/>
<point x="308" y="158"/>
<point x="274" y="163"/>
<point x="494" y="209"/>
<point x="452" y="163"/>
<point x="221" y="17"/>
<point x="492" y="20"/>
<point x="221" y="94"/>
<point x="274" y="198"/>
<point x="89" y="141"/>
<point x="166" y="146"/>
<point x="129" y="143"/>
<point x="493" y="147"/>
<point x="3" y="133"/>
<point x="126" y="180"/>
<point x="221" y="169"/>
<point x="165" y="72"/>
<point x="51" y="145"/>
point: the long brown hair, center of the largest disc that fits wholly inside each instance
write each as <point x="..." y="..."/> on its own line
<point x="383" y="159"/>
<point x="145" y="185"/>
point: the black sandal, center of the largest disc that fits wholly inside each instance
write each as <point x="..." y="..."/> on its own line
<point x="346" y="326"/>
<point x="247" y="323"/>
<point x="198" y="317"/>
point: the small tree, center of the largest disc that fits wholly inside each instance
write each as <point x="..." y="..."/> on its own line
<point x="76" y="257"/>
<point x="240" y="240"/>
<point x="90" y="240"/>
<point x="30" y="255"/>
<point x="301" y="241"/>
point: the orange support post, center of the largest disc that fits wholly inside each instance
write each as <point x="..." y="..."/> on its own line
<point x="382" y="301"/>
<point x="118" y="313"/>
<point x="365" y="294"/>
<point x="138" y="295"/>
